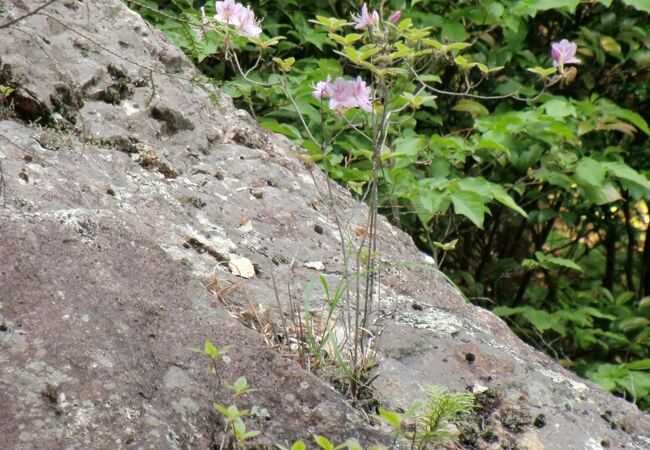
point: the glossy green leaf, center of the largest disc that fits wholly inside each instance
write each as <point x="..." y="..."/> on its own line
<point x="590" y="171"/>
<point x="470" y="205"/>
<point x="471" y="106"/>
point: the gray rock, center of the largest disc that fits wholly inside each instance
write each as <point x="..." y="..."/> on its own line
<point x="114" y="219"/>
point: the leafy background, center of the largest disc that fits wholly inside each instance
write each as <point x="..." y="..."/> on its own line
<point x="538" y="210"/>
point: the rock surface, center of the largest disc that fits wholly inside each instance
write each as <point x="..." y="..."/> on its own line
<point x="130" y="193"/>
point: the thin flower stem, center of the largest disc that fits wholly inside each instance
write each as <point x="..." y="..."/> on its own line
<point x="300" y="116"/>
<point x="553" y="81"/>
<point x="355" y="128"/>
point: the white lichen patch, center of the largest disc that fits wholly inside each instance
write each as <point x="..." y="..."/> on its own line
<point x="130" y="108"/>
<point x="101" y="360"/>
<point x="82" y="418"/>
<point x="83" y="221"/>
<point x="130" y="413"/>
<point x="306" y="179"/>
<point x="399" y="306"/>
<point x="210" y="227"/>
<point x="212" y="238"/>
<point x="184" y="406"/>
<point x="147" y="187"/>
<point x="16" y="342"/>
<point x="559" y="378"/>
<point x="175" y="377"/>
<point x="34" y="380"/>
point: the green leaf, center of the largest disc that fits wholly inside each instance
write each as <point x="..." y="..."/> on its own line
<point x="251" y="434"/>
<point x="501" y="196"/>
<point x="478" y="185"/>
<point x="299" y="445"/>
<point x="577" y="316"/>
<point x="559" y="108"/>
<point x="641" y="5"/>
<point x="644" y="303"/>
<point x="624" y="172"/>
<point x="391" y="418"/>
<point x="430" y="78"/>
<point x="324" y="443"/>
<point x="594" y="312"/>
<point x="407" y="151"/>
<point x="590" y="171"/>
<point x="210" y="350"/>
<point x="550" y="261"/>
<point x="542" y="320"/>
<point x="531" y="7"/>
<point x="286" y="129"/>
<point x="471" y="106"/>
<point x="601" y="195"/>
<point x="428" y="203"/>
<point x="470" y="205"/>
<point x="223" y="410"/>
<point x="633" y="323"/>
<point x="542" y="72"/>
<point x="610" y="45"/>
<point x="353" y="444"/>
<point x="642" y="364"/>
<point x="240" y="385"/>
<point x="506" y="311"/>
<point x="608" y="107"/>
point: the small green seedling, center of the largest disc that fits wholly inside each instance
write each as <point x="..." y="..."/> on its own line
<point x="240" y="387"/>
<point x="214" y="354"/>
<point x="299" y="445"/>
<point x="239" y="428"/>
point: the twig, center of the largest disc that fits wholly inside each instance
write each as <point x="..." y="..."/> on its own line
<point x="160" y="13"/>
<point x="2" y="184"/>
<point x="24" y="16"/>
<point x="484" y="97"/>
<point x="277" y="299"/>
<point x="130" y="61"/>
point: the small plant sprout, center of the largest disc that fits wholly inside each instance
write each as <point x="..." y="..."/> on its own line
<point x="214" y="355"/>
<point x="235" y="422"/>
<point x="441" y="410"/>
<point x="240" y="387"/>
<point x="232" y="413"/>
<point x="326" y="444"/>
<point x="394" y="421"/>
<point x="298" y="445"/>
<point x="239" y="428"/>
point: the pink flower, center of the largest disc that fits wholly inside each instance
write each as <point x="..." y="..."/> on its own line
<point x="344" y="93"/>
<point x="228" y="12"/>
<point x="395" y="17"/>
<point x="564" y="52"/>
<point x="322" y="88"/>
<point x="365" y="19"/>
<point x="242" y="18"/>
<point x="248" y="25"/>
<point x="362" y="94"/>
